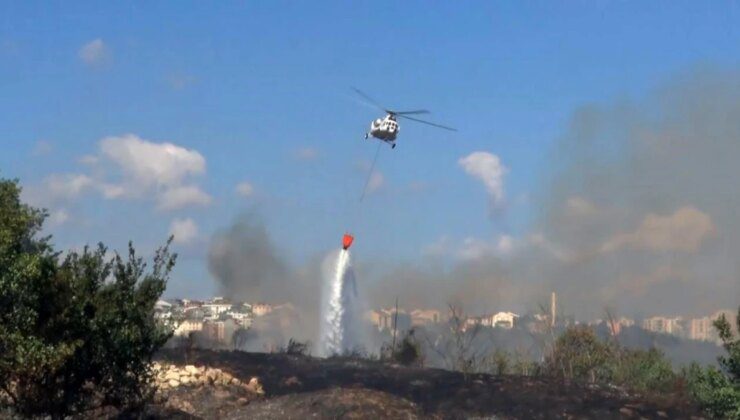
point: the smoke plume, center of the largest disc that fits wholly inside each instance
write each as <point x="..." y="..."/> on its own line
<point x="637" y="211"/>
<point x="247" y="266"/>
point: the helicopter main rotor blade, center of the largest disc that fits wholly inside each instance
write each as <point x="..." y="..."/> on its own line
<point x="414" y="112"/>
<point x="428" y="123"/>
<point x="369" y="99"/>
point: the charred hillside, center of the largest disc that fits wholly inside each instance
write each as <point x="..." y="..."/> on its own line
<point x="297" y="386"/>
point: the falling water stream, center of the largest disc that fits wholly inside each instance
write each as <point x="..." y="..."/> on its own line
<point x="339" y="296"/>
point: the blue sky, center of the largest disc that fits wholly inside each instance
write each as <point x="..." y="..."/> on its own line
<point x="261" y="92"/>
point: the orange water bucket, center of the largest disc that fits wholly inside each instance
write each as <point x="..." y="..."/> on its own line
<point x="347" y="240"/>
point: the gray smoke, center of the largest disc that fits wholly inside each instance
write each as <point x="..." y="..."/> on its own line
<point x="247" y="266"/>
<point x="245" y="263"/>
<point x="641" y="209"/>
<point x="637" y="211"/>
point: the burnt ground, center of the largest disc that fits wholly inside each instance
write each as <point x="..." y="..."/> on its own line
<point x="301" y="387"/>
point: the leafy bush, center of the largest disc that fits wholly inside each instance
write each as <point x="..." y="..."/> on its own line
<point x="644" y="370"/>
<point x="75" y="332"/>
<point x="407" y="352"/>
<point x="497" y="362"/>
<point x="296" y="348"/>
<point x="578" y="354"/>
<point x="718" y="391"/>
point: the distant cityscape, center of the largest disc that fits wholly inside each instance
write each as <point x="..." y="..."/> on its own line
<point x="218" y="319"/>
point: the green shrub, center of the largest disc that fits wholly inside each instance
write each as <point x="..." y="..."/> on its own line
<point x="497" y="362"/>
<point x="644" y="370"/>
<point x="406" y="352"/>
<point x="409" y="351"/>
<point x="76" y="332"/>
<point x="296" y="348"/>
<point x="578" y="354"/>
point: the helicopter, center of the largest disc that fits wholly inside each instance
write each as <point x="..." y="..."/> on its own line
<point x="386" y="129"/>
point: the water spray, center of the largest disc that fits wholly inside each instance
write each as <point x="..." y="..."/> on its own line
<point x="338" y="310"/>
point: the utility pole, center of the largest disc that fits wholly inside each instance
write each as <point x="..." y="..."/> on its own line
<point x="395" y="328"/>
<point x="553" y="309"/>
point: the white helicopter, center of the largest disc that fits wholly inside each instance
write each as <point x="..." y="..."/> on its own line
<point x="386" y="129"/>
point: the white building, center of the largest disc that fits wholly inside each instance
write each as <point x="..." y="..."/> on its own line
<point x="260" y="309"/>
<point x="187" y="326"/>
<point x="664" y="325"/>
<point x="504" y="320"/>
<point x="702" y="329"/>
<point x="216" y="307"/>
<point x="422" y="317"/>
<point x="244" y="319"/>
<point x="220" y="331"/>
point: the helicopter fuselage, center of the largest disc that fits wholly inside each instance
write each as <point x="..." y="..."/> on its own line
<point x="385" y="129"/>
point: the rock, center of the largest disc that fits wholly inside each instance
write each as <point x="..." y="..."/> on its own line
<point x="186" y="406"/>
<point x="220" y="394"/>
<point x="242" y="401"/>
<point x="173" y="383"/>
<point x="419" y="383"/>
<point x="292" y="381"/>
<point x="235" y="381"/>
<point x="185" y="380"/>
<point x="172" y="374"/>
<point x="191" y="369"/>
<point x="626" y="412"/>
<point x="255" y="386"/>
<point x="662" y="414"/>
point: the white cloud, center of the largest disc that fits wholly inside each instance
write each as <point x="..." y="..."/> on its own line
<point x="146" y="168"/>
<point x="183" y="196"/>
<point x="184" y="231"/>
<point x="505" y="245"/>
<point x="580" y="207"/>
<point x="472" y="248"/>
<point x="66" y="186"/>
<point x="88" y="160"/>
<point x="58" y="217"/>
<point x="129" y="167"/>
<point x="245" y="189"/>
<point x="41" y="148"/>
<point x="180" y="81"/>
<point x="488" y="168"/>
<point x="562" y="254"/>
<point x="375" y="182"/>
<point x="94" y="52"/>
<point x="439" y="248"/>
<point x="306" y="154"/>
<point x="685" y="230"/>
<point x="149" y="163"/>
<point x="111" y="191"/>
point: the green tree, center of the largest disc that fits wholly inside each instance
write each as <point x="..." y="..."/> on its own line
<point x="78" y="331"/>
<point x="718" y="391"/>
